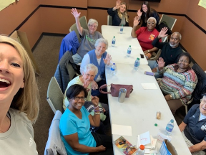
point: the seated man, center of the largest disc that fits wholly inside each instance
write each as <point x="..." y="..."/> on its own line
<point x="193" y="128"/>
<point x="170" y="50"/>
<point x="88" y="37"/>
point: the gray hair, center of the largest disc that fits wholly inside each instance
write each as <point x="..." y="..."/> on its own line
<point x="180" y="36"/>
<point x="91" y="67"/>
<point x="101" y="40"/>
<point x="153" y="19"/>
<point x="92" y="21"/>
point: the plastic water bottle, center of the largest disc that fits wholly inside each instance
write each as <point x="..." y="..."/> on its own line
<point x="169" y="127"/>
<point x="136" y="64"/>
<point x="129" y="50"/>
<point x="121" y="29"/>
<point x="113" y="41"/>
<point x="113" y="69"/>
<point x="140" y="151"/>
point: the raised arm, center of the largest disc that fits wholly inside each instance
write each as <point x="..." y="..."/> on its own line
<point x="135" y="23"/>
<point x="76" y="15"/>
<point x="73" y="141"/>
<point x="95" y="120"/>
<point x="111" y="11"/>
<point x="162" y="34"/>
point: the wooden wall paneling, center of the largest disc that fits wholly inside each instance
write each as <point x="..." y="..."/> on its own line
<point x="193" y="40"/>
<point x="72" y="3"/>
<point x="197" y="13"/>
<point x="171" y="6"/>
<point x="12" y="16"/>
<point x="99" y="15"/>
<point x="57" y="20"/>
<point x="104" y="3"/>
<point x="32" y="28"/>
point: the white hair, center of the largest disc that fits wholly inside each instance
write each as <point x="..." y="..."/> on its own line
<point x="92" y="21"/>
<point x="91" y="67"/>
<point x="153" y="19"/>
<point x="180" y="36"/>
<point x="101" y="40"/>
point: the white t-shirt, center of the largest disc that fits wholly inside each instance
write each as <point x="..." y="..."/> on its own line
<point x="19" y="139"/>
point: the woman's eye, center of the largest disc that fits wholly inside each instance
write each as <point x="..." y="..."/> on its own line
<point x="15" y="65"/>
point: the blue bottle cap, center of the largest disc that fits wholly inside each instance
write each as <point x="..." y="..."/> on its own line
<point x="172" y="120"/>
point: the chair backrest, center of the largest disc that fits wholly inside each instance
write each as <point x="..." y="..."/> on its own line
<point x="109" y="20"/>
<point x="170" y="22"/>
<point x="54" y="143"/>
<point x="55" y="96"/>
<point x="83" y="23"/>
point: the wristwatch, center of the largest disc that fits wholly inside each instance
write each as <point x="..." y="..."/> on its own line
<point x="148" y="51"/>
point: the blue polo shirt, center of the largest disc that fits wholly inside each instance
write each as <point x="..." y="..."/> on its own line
<point x="70" y="124"/>
<point x="193" y="130"/>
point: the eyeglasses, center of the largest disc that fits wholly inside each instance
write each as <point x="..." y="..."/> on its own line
<point x="79" y="98"/>
<point x="175" y="39"/>
<point x="184" y="61"/>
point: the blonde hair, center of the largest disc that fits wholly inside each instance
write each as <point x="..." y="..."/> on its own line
<point x="125" y="13"/>
<point x="26" y="99"/>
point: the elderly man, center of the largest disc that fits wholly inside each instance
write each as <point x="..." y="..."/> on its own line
<point x="88" y="37"/>
<point x="170" y="50"/>
<point x="193" y="128"/>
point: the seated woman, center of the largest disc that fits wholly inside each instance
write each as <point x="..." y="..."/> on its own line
<point x="178" y="81"/>
<point x="145" y="13"/>
<point x="119" y="14"/>
<point x="18" y="99"/>
<point x="193" y="128"/>
<point x="87" y="80"/>
<point x="99" y="58"/>
<point x="146" y="35"/>
<point x="75" y="126"/>
<point x="88" y="37"/>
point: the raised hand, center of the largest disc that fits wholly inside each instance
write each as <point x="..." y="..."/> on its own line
<point x="94" y="85"/>
<point x="161" y="63"/>
<point x="136" y="21"/>
<point x="163" y="32"/>
<point x="107" y="59"/>
<point x="75" y="13"/>
<point x="118" y="2"/>
<point x="139" y="13"/>
<point x="95" y="100"/>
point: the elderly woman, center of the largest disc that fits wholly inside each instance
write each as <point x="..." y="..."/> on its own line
<point x="88" y="37"/>
<point x="146" y="35"/>
<point x="178" y="81"/>
<point x="75" y="126"/>
<point x="193" y="128"/>
<point x="145" y="13"/>
<point x="99" y="58"/>
<point x="86" y="80"/>
<point x="19" y="99"/>
<point x="119" y="14"/>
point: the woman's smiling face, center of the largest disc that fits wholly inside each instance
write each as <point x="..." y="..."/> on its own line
<point x="11" y="72"/>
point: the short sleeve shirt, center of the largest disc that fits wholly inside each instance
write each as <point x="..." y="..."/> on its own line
<point x="88" y="41"/>
<point x="70" y="124"/>
<point x="193" y="130"/>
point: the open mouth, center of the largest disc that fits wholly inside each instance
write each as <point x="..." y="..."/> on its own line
<point x="4" y="83"/>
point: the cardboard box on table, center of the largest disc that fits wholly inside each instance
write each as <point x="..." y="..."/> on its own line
<point x="21" y="37"/>
<point x="170" y="147"/>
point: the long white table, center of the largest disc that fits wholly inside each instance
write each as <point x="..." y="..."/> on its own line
<point x="139" y="110"/>
<point x="119" y="51"/>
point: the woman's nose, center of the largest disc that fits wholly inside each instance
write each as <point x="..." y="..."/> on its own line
<point x="4" y="66"/>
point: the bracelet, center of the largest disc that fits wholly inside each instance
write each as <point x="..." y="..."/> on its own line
<point x="148" y="51"/>
<point x="96" y="107"/>
<point x="96" y="110"/>
<point x="170" y="96"/>
<point x="97" y="113"/>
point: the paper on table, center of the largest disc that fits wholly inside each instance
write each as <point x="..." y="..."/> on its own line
<point x="121" y="130"/>
<point x="144" y="138"/>
<point x="149" y="85"/>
